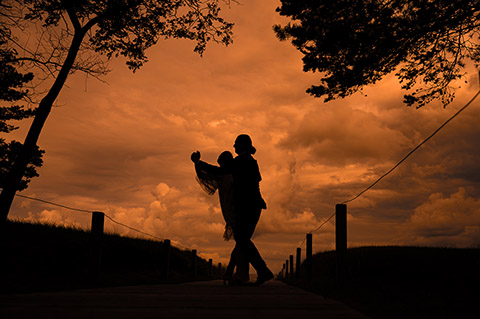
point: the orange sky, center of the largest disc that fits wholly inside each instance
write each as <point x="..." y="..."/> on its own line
<point x="124" y="148"/>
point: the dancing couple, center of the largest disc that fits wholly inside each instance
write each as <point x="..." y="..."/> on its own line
<point x="237" y="180"/>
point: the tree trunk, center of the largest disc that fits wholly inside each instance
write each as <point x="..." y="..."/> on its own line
<point x="41" y="114"/>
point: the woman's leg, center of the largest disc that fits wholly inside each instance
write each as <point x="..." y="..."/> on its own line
<point x="241" y="274"/>
<point x="236" y="260"/>
<point x="228" y="275"/>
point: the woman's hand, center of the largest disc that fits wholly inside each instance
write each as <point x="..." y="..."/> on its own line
<point x="195" y="157"/>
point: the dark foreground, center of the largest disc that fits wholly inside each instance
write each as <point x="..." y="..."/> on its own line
<point x="37" y="257"/>
<point x="206" y="299"/>
<point x="402" y="282"/>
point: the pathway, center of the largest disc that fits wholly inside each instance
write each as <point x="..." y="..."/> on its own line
<point x="191" y="300"/>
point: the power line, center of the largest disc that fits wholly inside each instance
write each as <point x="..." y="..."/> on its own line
<point x="412" y="151"/>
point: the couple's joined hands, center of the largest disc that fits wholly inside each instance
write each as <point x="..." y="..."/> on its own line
<point x="195" y="157"/>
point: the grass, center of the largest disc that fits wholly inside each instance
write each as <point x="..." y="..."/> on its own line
<point x="382" y="282"/>
<point x="39" y="257"/>
<point x="402" y="282"/>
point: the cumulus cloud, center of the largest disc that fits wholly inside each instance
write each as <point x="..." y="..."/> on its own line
<point x="343" y="135"/>
<point x="124" y="148"/>
<point x="54" y="217"/>
<point x="447" y="220"/>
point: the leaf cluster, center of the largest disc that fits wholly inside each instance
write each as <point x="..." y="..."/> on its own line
<point x="356" y="43"/>
<point x="8" y="154"/>
<point x="11" y="85"/>
<point x="11" y="80"/>
<point x="59" y="37"/>
<point x="12" y="90"/>
<point x="129" y="27"/>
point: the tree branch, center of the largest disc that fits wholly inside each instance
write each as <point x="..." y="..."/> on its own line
<point x="73" y="18"/>
<point x="91" y="23"/>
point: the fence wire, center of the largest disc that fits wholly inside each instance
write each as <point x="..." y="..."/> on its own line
<point x="314" y="230"/>
<point x="90" y="212"/>
<point x="54" y="204"/>
<point x="413" y="150"/>
<point x="397" y="164"/>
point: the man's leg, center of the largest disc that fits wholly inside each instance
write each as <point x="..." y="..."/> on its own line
<point x="254" y="257"/>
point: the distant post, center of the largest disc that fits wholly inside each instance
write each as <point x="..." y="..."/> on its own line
<point x="286" y="270"/>
<point x="298" y="263"/>
<point x="96" y="238"/>
<point x="341" y="240"/>
<point x="291" y="267"/>
<point x="308" y="258"/>
<point x="210" y="267"/>
<point x="166" y="258"/>
<point x="194" y="263"/>
<point x="220" y="269"/>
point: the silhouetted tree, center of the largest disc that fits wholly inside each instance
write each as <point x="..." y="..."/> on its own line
<point x="11" y="91"/>
<point x="67" y="29"/>
<point x="356" y="43"/>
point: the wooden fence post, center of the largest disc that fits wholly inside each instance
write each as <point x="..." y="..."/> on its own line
<point x="96" y="238"/>
<point x="287" y="276"/>
<point x="210" y="267"/>
<point x="308" y="258"/>
<point x="194" y="263"/>
<point x="298" y="263"/>
<point x="292" y="274"/>
<point x="166" y="258"/>
<point x="341" y="240"/>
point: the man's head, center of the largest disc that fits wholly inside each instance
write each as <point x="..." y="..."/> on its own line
<point x="243" y="144"/>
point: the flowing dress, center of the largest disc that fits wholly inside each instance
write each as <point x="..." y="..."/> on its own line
<point x="223" y="181"/>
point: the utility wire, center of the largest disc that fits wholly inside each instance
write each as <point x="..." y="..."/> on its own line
<point x="416" y="148"/>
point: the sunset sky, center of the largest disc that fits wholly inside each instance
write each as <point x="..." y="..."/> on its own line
<point x="124" y="148"/>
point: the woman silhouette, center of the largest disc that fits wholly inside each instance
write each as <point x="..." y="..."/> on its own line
<point x="212" y="178"/>
<point x="224" y="183"/>
<point x="248" y="204"/>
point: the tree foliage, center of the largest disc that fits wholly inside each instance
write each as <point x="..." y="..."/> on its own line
<point x="11" y="91"/>
<point x="113" y="28"/>
<point x="356" y="43"/>
<point x="58" y="37"/>
<point x="8" y="154"/>
<point x="11" y="85"/>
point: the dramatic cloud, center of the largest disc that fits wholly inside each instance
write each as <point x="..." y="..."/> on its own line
<point x="124" y="149"/>
<point x="447" y="221"/>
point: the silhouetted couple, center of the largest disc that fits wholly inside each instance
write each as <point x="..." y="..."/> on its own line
<point x="237" y="180"/>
